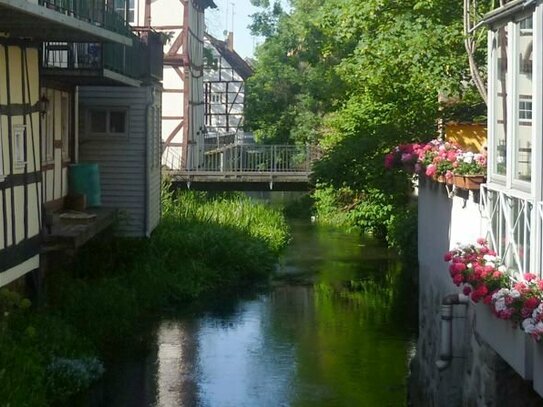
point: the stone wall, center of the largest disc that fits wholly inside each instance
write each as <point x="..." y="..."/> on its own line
<point x="477" y="375"/>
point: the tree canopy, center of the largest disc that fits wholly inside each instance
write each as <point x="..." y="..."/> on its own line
<point x="357" y="78"/>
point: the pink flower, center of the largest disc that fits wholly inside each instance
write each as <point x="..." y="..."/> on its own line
<point x="431" y="170"/>
<point x="482" y="241"/>
<point x="447" y="256"/>
<point x="529" y="276"/>
<point x="466" y="290"/>
<point x="531" y="303"/>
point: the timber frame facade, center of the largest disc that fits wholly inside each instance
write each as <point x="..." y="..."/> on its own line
<point x="48" y="53"/>
<point x="225" y="74"/>
<point x="182" y="25"/>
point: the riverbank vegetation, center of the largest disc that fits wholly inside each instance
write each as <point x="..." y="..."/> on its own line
<point x="356" y="78"/>
<point x="204" y="245"/>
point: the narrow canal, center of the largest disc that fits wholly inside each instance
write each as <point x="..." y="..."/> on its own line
<point x="335" y="328"/>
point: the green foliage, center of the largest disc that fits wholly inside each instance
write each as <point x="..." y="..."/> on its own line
<point x="357" y="78"/>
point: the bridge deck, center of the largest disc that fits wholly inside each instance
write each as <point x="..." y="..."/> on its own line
<point x="240" y="181"/>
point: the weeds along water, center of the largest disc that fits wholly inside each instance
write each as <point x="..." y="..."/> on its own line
<point x="204" y="244"/>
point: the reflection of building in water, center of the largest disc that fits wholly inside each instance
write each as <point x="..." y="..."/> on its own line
<point x="177" y="351"/>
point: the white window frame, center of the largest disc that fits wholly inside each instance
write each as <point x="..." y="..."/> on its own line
<point x="508" y="181"/>
<point x="19" y="135"/>
<point x="511" y="188"/>
<point x="108" y="134"/>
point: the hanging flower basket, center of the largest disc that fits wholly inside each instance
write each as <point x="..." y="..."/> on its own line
<point x="469" y="182"/>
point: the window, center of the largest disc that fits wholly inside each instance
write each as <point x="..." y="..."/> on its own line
<point x="512" y="93"/>
<point x="525" y="109"/>
<point x="19" y="134"/>
<point x="522" y="154"/>
<point x="108" y="122"/>
<point x="125" y="8"/>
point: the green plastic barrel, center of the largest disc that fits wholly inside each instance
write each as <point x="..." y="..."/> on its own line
<point x="85" y="179"/>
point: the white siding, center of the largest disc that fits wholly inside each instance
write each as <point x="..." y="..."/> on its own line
<point x="124" y="161"/>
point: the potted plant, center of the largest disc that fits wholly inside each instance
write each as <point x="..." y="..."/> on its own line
<point x="470" y="171"/>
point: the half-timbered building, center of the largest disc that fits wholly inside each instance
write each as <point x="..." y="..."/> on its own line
<point x="51" y="57"/>
<point x="225" y="73"/>
<point x="182" y="26"/>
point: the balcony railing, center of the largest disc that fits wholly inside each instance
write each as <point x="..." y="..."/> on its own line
<point x="93" y="11"/>
<point x="138" y="61"/>
<point x="510" y="224"/>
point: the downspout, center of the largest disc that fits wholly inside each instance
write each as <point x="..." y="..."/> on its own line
<point x="445" y="346"/>
<point x="148" y="148"/>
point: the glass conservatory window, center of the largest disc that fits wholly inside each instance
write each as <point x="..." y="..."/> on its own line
<point x="500" y="101"/>
<point x="523" y="96"/>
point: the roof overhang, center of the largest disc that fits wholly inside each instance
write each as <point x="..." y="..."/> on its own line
<point x="508" y="11"/>
<point x="23" y="19"/>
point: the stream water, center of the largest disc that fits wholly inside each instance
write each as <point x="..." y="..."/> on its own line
<point x="335" y="328"/>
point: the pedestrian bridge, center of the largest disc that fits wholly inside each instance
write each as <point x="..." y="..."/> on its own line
<point x="240" y="167"/>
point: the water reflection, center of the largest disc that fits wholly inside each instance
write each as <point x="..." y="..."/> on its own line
<point x="333" y="331"/>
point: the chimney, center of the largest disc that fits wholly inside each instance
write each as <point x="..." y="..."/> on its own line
<point x="230" y="41"/>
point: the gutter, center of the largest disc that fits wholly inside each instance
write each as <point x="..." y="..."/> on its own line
<point x="445" y="345"/>
<point x="502" y="13"/>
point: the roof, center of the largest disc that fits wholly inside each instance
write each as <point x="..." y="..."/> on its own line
<point x="232" y="57"/>
<point x="506" y="11"/>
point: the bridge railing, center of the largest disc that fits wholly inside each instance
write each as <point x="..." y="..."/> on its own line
<point x="243" y="158"/>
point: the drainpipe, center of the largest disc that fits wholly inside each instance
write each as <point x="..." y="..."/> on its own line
<point x="445" y="348"/>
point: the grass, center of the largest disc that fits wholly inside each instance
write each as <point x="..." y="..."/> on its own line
<point x="202" y="246"/>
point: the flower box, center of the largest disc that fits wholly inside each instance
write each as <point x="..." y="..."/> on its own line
<point x="508" y="340"/>
<point x="442" y="179"/>
<point x="470" y="182"/>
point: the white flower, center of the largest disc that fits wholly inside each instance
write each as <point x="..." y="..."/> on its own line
<point x="468" y="157"/>
<point x="502" y="269"/>
<point x="488" y="257"/>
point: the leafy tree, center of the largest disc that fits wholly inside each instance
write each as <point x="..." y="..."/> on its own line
<point x="357" y="78"/>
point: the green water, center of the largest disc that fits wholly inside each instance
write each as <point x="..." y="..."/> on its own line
<point x="334" y="329"/>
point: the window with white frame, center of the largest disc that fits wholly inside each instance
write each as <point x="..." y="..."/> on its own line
<point x="19" y="154"/>
<point x="107" y="122"/>
<point x="126" y="8"/>
<point x="513" y="88"/>
<point x="509" y="196"/>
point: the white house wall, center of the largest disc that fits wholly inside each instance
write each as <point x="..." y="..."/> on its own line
<point x="20" y="177"/>
<point x="129" y="164"/>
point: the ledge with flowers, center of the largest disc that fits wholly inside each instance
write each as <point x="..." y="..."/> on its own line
<point x="485" y="278"/>
<point x="441" y="161"/>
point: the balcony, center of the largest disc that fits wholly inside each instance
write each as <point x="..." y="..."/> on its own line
<point x="104" y="64"/>
<point x="63" y="20"/>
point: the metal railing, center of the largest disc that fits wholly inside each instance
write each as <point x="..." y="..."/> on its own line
<point x="510" y="224"/>
<point x="240" y="158"/>
<point x="137" y="61"/>
<point x="96" y="12"/>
